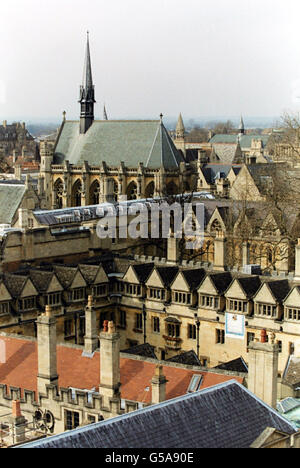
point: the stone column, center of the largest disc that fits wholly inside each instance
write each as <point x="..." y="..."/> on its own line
<point x="158" y="385"/>
<point x="173" y="249"/>
<point x="46" y="340"/>
<point x="91" y="341"/>
<point x="297" y="261"/>
<point x="110" y="384"/>
<point x="246" y="253"/>
<point x="263" y="369"/>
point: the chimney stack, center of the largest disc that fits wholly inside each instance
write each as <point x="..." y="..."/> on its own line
<point x="263" y="369"/>
<point x="110" y="384"/>
<point x="91" y="341"/>
<point x="17" y="425"/>
<point x="47" y="361"/>
<point x="18" y="172"/>
<point x="173" y="249"/>
<point x="220" y="252"/>
<point x="158" y="384"/>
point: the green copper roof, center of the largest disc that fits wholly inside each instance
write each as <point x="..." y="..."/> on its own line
<point x="10" y="199"/>
<point x="128" y="141"/>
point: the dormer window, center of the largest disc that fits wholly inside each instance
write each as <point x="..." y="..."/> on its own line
<point x="292" y="314"/>
<point x="27" y="304"/>
<point x="157" y="294"/>
<point x="77" y="295"/>
<point x="182" y="298"/>
<point x="100" y="290"/>
<point x="209" y="302"/>
<point x="266" y="310"/>
<point x="237" y="306"/>
<point x="4" y="308"/>
<point x="132" y="289"/>
<point x="53" y="299"/>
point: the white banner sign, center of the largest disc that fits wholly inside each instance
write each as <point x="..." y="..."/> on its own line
<point x="235" y="326"/>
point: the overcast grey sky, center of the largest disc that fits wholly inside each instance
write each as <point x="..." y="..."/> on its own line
<point x="200" y="57"/>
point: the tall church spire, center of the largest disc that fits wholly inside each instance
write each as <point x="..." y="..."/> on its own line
<point x="87" y="93"/>
<point x="180" y="130"/>
<point x="242" y="126"/>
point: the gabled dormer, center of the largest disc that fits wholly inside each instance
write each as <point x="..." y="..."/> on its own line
<point x="239" y="295"/>
<point x="268" y="301"/>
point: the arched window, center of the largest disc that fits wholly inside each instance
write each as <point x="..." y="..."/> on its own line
<point x="95" y="193"/>
<point x="172" y="188"/>
<point x="58" y="188"/>
<point x="77" y="193"/>
<point x="132" y="191"/>
<point x="149" y="192"/>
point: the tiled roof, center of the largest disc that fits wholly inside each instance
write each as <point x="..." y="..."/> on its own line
<point x="245" y="140"/>
<point x="21" y="367"/>
<point x="131" y="142"/>
<point x="225" y="416"/>
<point x="15" y="283"/>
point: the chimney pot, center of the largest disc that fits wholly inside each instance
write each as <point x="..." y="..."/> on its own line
<point x="263" y="336"/>
<point x="111" y="328"/>
<point x="16" y="409"/>
<point x="48" y="311"/>
<point x="105" y="326"/>
<point x="90" y="301"/>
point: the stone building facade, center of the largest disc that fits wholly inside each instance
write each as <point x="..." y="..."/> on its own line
<point x="16" y="140"/>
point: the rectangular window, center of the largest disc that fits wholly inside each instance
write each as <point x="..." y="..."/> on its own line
<point x="27" y="304"/>
<point x="220" y="336"/>
<point x="71" y="420"/>
<point x="4" y="308"/>
<point x="173" y="330"/>
<point x="139" y="321"/>
<point x="156" y="325"/>
<point x="68" y="328"/>
<point x="77" y="295"/>
<point x="279" y="343"/>
<point x="192" y="332"/>
<point x="100" y="290"/>
<point x="53" y="299"/>
<point x="122" y="318"/>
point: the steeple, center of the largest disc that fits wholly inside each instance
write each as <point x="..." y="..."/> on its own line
<point x="87" y="93"/>
<point x="242" y="126"/>
<point x="180" y="130"/>
<point x="104" y="113"/>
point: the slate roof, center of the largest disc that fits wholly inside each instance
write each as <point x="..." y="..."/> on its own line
<point x="41" y="279"/>
<point x="188" y="358"/>
<point x="221" y="281"/>
<point x="11" y="196"/>
<point x="145" y="350"/>
<point x="65" y="274"/>
<point x="167" y="274"/>
<point x="280" y="289"/>
<point x="291" y="373"/>
<point x="212" y="171"/>
<point x="250" y="284"/>
<point x="236" y="365"/>
<point x="143" y="271"/>
<point x="225" y="416"/>
<point x="194" y="277"/>
<point x="15" y="283"/>
<point x="131" y="142"/>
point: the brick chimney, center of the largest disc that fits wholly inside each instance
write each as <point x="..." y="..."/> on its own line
<point x="47" y="361"/>
<point x="110" y="384"/>
<point x="263" y="369"/>
<point x="158" y="384"/>
<point x="91" y="340"/>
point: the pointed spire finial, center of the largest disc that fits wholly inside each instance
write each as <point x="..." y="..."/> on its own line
<point x="161" y="117"/>
<point x="104" y="113"/>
